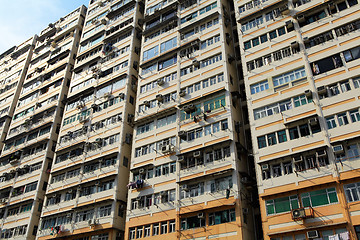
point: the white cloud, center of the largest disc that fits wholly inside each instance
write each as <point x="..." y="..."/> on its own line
<point x="21" y="19"/>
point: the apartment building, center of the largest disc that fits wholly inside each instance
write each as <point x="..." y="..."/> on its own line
<point x="189" y="175"/>
<point x="301" y="71"/>
<point x="87" y="191"/>
<point x="38" y="83"/>
<point x="13" y="65"/>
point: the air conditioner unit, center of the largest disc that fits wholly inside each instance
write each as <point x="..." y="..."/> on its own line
<point x="196" y="63"/>
<point x="313" y="121"/>
<point x="338" y="149"/>
<point x="122" y="96"/>
<point x="201" y="215"/>
<point x="147" y="103"/>
<point x="298" y="159"/>
<point x="100" y="4"/>
<point x="289" y="24"/>
<point x="265" y="167"/>
<point x="294" y="45"/>
<point x="301" y="18"/>
<point x="160" y="82"/>
<point x="141" y="170"/>
<point x="196" y="154"/>
<point x="298" y="213"/>
<point x="103" y="21"/>
<point x="308" y="93"/>
<point x="182" y="93"/>
<point x="322" y="90"/>
<point x="181" y="158"/>
<point x="53" y="44"/>
<point x="166" y="148"/>
<point x="312" y="234"/>
<point x="321" y="153"/>
<point x="182" y="134"/>
<point x="189" y="108"/>
<point x="184" y="187"/>
<point x="159" y="98"/>
<point x="83" y="119"/>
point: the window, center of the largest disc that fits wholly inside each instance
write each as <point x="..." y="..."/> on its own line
<point x="215" y="103"/>
<point x="172" y="226"/>
<point x="147" y="231"/>
<point x="221" y="184"/>
<point x="222" y="217"/>
<point x="273" y="34"/>
<point x="261" y="142"/>
<point x="148" y="54"/>
<point x="356" y="82"/>
<point x="263" y="38"/>
<point x="355" y="116"/>
<point x="166" y="63"/>
<point x="164" y="228"/>
<point x="331" y="122"/>
<point x="166" y="46"/>
<point x="139" y="232"/>
<point x="155" y="229"/>
<point x="282" y="136"/>
<point x="352" y="54"/>
<point x="352" y="192"/>
<point x="289" y="77"/>
<point x="192" y="222"/>
<point x="343" y="119"/>
<point x="319" y="197"/>
<point x="301" y="100"/>
<point x="259" y="87"/>
<point x="271" y="138"/>
<point x="304" y="130"/>
<point x="280" y="205"/>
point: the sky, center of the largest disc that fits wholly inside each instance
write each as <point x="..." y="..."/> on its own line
<point x="21" y="19"/>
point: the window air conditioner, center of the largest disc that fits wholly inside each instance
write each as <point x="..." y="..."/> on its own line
<point x="201" y="215"/>
<point x="265" y="167"/>
<point x="308" y="93"/>
<point x="312" y="234"/>
<point x="298" y="159"/>
<point x="298" y="213"/>
<point x="196" y="154"/>
<point x="321" y="153"/>
<point x="338" y="149"/>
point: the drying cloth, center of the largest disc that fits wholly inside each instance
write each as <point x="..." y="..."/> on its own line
<point x="344" y="236"/>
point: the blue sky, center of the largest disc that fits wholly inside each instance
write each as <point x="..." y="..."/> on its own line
<point x="21" y="19"/>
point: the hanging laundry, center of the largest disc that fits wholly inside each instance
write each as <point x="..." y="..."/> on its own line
<point x="344" y="236"/>
<point x="334" y="237"/>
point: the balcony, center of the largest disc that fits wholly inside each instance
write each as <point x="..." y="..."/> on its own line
<point x="205" y="167"/>
<point x="160" y="23"/>
<point x="96" y="197"/>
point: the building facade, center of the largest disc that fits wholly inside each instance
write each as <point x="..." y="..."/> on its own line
<point x="301" y="72"/>
<point x="189" y="175"/>
<point x="41" y="82"/>
<point x="86" y="196"/>
<point x="14" y="64"/>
